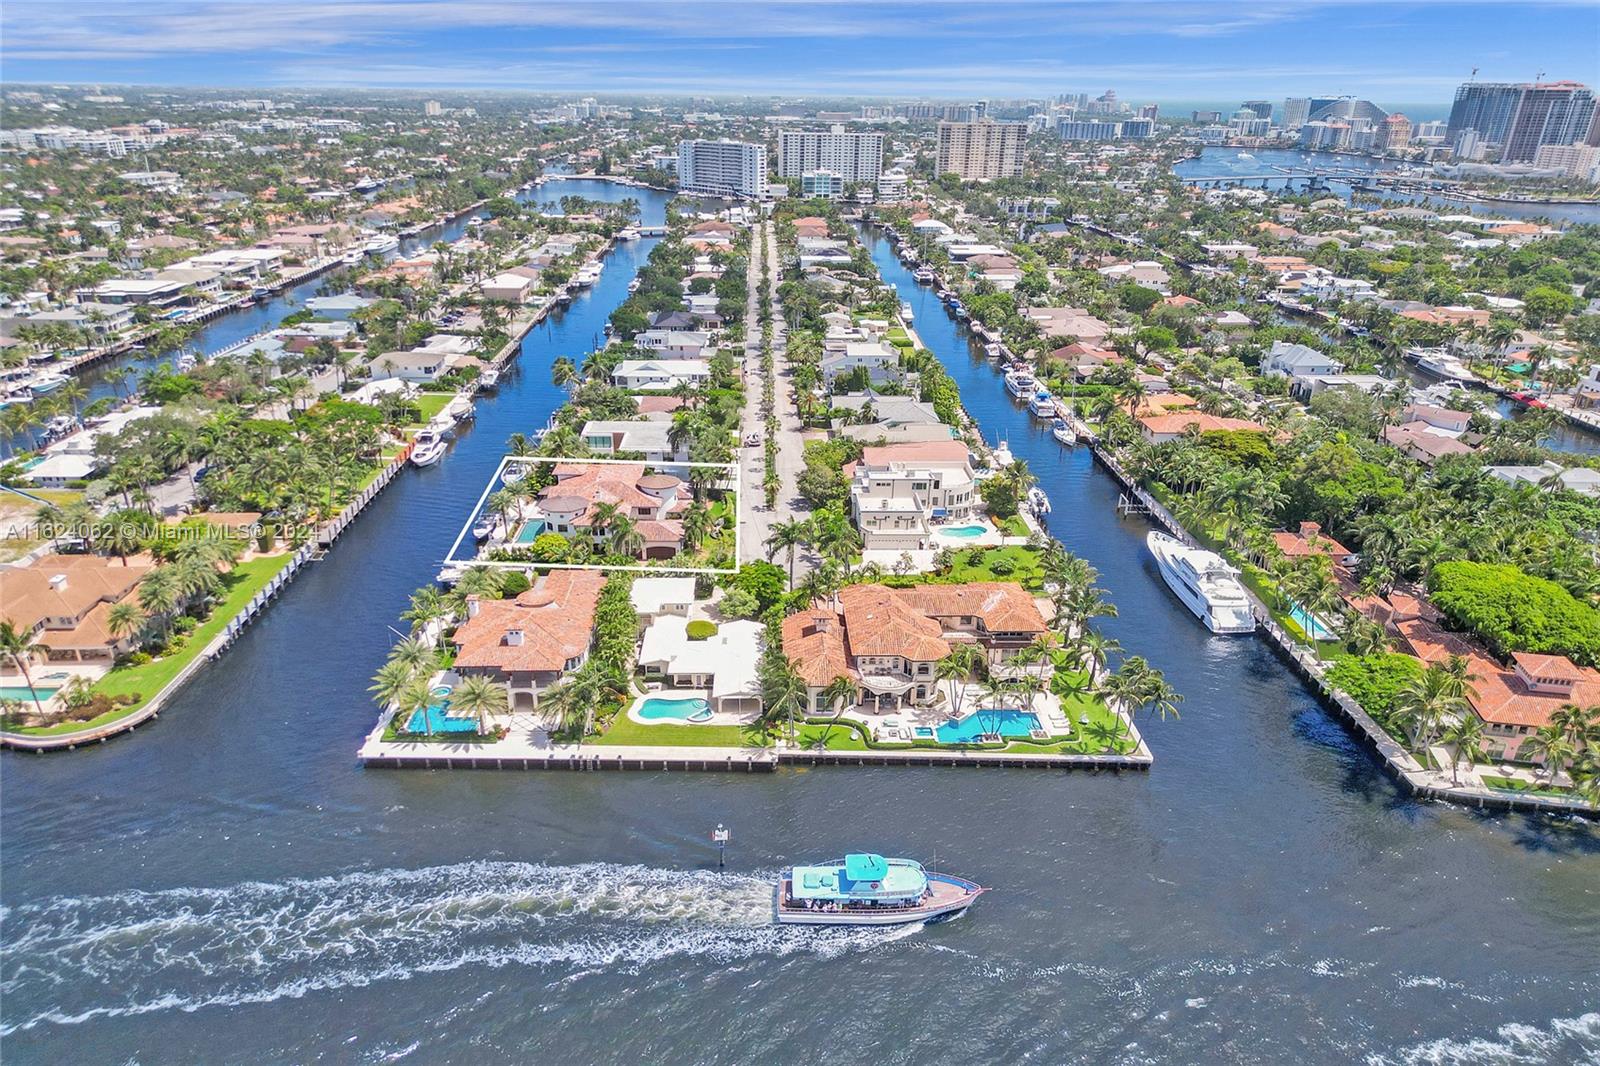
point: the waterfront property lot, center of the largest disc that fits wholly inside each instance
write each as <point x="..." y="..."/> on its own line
<point x="608" y="514"/>
<point x="144" y="681"/>
<point x="625" y="731"/>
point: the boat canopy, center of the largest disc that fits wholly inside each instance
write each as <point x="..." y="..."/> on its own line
<point x="860" y="877"/>
<point x="865" y="867"/>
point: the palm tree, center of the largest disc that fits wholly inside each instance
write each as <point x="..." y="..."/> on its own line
<point x="1425" y="701"/>
<point x="787" y="536"/>
<point x="18" y="645"/>
<point x="1551" y="747"/>
<point x="480" y="696"/>
<point x="1465" y="738"/>
<point x="957" y="668"/>
<point x="783" y="692"/>
<point x="839" y="694"/>
<point x="417" y="695"/>
<point x="391" y="682"/>
<point x="124" y="619"/>
<point x="160" y="593"/>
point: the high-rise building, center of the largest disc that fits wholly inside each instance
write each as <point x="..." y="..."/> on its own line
<point x="1430" y="131"/>
<point x="1206" y="117"/>
<point x="1485" y="108"/>
<point x="1262" y="108"/>
<point x="1346" y="109"/>
<point x="1296" y="112"/>
<point x="1573" y="160"/>
<point x="1088" y="129"/>
<point x="980" y="110"/>
<point x="853" y="156"/>
<point x="1549" y="113"/>
<point x="979" y="151"/>
<point x="722" y="168"/>
<point x="1393" y="133"/>
<point x="432" y="108"/>
<point x="1150" y="111"/>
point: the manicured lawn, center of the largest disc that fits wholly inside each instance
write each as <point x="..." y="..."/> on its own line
<point x="1024" y="567"/>
<point x="625" y="730"/>
<point x="1014" y="526"/>
<point x="243" y="582"/>
<point x="431" y="403"/>
<point x="1511" y="784"/>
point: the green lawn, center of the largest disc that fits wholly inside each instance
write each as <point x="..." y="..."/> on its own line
<point x="243" y="582"/>
<point x="625" y="730"/>
<point x="1014" y="526"/>
<point x="1511" y="784"/>
<point x="1024" y="567"/>
<point x="431" y="403"/>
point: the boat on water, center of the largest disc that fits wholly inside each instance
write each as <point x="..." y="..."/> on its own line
<point x="906" y="312"/>
<point x="1043" y="405"/>
<point x="587" y="275"/>
<point x="59" y="426"/>
<point x="483" y="528"/>
<point x="1063" y="432"/>
<point x="1441" y="364"/>
<point x="46" y="383"/>
<point x="382" y="242"/>
<point x="1038" y="501"/>
<point x="1002" y="455"/>
<point x="353" y="257"/>
<point x="489" y="380"/>
<point x="1020" y="383"/>
<point x="1205" y="582"/>
<point x="924" y="276"/>
<point x="868" y="889"/>
<point x="427" y="448"/>
<point x="185" y="363"/>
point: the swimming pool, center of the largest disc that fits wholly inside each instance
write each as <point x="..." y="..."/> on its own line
<point x="979" y="722"/>
<point x="964" y="532"/>
<point x="20" y="692"/>
<point x="438" y="720"/>
<point x="1311" y="625"/>
<point x="692" y="709"/>
<point x="530" y="531"/>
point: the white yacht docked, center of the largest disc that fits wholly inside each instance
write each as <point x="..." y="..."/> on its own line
<point x="1061" y="431"/>
<point x="1020" y="383"/>
<point x="427" y="448"/>
<point x="382" y="242"/>
<point x="1205" y="583"/>
<point x="1043" y="405"/>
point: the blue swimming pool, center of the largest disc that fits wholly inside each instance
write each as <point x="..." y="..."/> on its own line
<point x="437" y="719"/>
<point x="21" y="693"/>
<point x="965" y="532"/>
<point x="979" y="722"/>
<point x="1311" y="625"/>
<point x="692" y="709"/>
<point x="530" y="531"/>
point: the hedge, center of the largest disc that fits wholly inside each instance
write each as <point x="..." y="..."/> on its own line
<point x="1511" y="610"/>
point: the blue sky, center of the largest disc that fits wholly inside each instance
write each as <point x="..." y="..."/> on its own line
<point x="1168" y="50"/>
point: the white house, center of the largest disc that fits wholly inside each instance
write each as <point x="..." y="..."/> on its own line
<point x="724" y="663"/>
<point x="656" y="596"/>
<point x="661" y="375"/>
<point x="410" y="366"/>
<point x="650" y="438"/>
<point x="673" y="343"/>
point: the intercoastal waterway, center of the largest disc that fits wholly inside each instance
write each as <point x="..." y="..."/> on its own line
<point x="228" y="886"/>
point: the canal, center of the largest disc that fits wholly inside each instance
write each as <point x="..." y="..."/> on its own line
<point x="227" y="885"/>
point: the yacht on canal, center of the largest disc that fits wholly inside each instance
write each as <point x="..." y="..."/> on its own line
<point x="1061" y="431"/>
<point x="868" y="889"/>
<point x="427" y="447"/>
<point x="1205" y="583"/>
<point x="1020" y="383"/>
<point x="1043" y="405"/>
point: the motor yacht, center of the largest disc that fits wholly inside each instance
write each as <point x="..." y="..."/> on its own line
<point x="1205" y="582"/>
<point x="867" y="889"/>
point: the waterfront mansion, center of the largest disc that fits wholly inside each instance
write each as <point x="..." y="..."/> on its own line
<point x="654" y="503"/>
<point x="889" y="641"/>
<point x="898" y="490"/>
<point x="530" y="642"/>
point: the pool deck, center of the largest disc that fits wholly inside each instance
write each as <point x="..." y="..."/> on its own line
<point x="528" y="747"/>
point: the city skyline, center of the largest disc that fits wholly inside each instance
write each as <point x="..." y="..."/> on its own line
<point x="1166" y="50"/>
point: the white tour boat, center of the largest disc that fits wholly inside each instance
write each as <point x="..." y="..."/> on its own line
<point x="1205" y="582"/>
<point x="869" y="889"/>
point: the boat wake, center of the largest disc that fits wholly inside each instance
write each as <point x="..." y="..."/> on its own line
<point x="69" y="960"/>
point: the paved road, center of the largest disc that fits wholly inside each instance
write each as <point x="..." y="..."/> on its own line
<point x="756" y="519"/>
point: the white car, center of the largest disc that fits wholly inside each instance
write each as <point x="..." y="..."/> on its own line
<point x="752" y="439"/>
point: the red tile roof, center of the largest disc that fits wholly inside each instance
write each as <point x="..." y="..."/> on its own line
<point x="555" y="618"/>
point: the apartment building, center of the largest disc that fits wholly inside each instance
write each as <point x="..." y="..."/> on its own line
<point x="982" y="151"/>
<point x="855" y="157"/>
<point x="723" y="168"/>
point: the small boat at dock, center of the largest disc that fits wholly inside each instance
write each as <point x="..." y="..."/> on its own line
<point x="427" y="448"/>
<point x="867" y="889"/>
<point x="1063" y="432"/>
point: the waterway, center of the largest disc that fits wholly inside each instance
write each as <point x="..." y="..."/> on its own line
<point x="227" y="885"/>
<point x="1219" y="162"/>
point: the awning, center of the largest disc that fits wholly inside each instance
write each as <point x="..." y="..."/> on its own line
<point x="878" y="683"/>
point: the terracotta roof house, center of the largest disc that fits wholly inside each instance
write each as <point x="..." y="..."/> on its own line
<point x="63" y="601"/>
<point x="1164" y="427"/>
<point x="651" y="501"/>
<point x="1425" y="447"/>
<point x="530" y="642"/>
<point x="890" y="640"/>
<point x="1515" y="702"/>
<point x="1309" y="540"/>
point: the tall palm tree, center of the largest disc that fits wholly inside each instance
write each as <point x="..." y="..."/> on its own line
<point x="787" y="536"/>
<point x="18" y="645"/>
<point x="124" y="619"/>
<point x="839" y="694"/>
<point x="160" y="593"/>
<point x="625" y="538"/>
<point x="480" y="696"/>
<point x="1551" y="747"/>
<point x="1465" y="739"/>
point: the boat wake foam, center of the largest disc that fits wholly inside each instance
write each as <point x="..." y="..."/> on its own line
<point x="1563" y="1040"/>
<point x="70" y="959"/>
